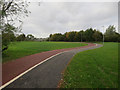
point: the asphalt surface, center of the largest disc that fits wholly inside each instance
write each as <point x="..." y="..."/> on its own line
<point x="14" y="68"/>
<point x="47" y="74"/>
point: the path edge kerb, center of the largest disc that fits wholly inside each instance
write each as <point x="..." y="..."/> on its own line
<point x="63" y="72"/>
<point x="18" y="76"/>
<point x="6" y="84"/>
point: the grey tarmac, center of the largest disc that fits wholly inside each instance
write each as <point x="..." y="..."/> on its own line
<point x="47" y="74"/>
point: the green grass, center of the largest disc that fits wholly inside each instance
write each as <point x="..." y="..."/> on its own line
<point x="21" y="49"/>
<point x="96" y="68"/>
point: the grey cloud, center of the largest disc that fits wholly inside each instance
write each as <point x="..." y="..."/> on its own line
<point x="61" y="17"/>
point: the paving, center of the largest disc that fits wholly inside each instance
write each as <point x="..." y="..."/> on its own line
<point x="45" y="75"/>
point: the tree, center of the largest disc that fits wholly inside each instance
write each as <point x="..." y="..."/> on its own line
<point x="11" y="12"/>
<point x="110" y="30"/>
<point x="49" y="37"/>
<point x="89" y="34"/>
<point x="111" y="34"/>
<point x="21" y="37"/>
<point x="71" y="36"/>
<point x="83" y="38"/>
<point x="65" y="36"/>
<point x="7" y="36"/>
<point x="119" y="38"/>
<point x="57" y="37"/>
<point x="30" y="37"/>
<point x="79" y="36"/>
<point x="97" y="35"/>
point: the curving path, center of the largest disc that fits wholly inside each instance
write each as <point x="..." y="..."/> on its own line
<point x="45" y="75"/>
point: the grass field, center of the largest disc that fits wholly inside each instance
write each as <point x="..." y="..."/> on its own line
<point x="96" y="68"/>
<point x="21" y="49"/>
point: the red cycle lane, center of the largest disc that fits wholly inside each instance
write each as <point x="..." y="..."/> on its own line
<point x="14" y="68"/>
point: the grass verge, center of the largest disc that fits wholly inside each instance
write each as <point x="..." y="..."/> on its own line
<point x="96" y="68"/>
<point x="21" y="49"/>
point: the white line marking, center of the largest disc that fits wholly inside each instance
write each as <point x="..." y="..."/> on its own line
<point x="29" y="70"/>
<point x="96" y="44"/>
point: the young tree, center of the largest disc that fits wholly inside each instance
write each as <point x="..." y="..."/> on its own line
<point x="111" y="34"/>
<point x="11" y="11"/>
<point x="7" y="36"/>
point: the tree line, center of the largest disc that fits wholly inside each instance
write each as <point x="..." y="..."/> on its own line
<point x="88" y="35"/>
<point x="8" y="35"/>
<point x="18" y="9"/>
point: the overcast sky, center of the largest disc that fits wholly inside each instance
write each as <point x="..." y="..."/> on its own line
<point x="61" y="17"/>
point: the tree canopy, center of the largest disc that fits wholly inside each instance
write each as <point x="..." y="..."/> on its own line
<point x="11" y="11"/>
<point x="87" y="35"/>
<point x="111" y="34"/>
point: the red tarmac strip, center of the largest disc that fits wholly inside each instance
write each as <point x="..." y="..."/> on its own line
<point x="14" y="68"/>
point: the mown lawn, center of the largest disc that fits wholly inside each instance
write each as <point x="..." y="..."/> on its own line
<point x="96" y="68"/>
<point x="21" y="49"/>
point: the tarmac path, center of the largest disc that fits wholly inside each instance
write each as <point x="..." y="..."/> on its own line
<point x="44" y="75"/>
